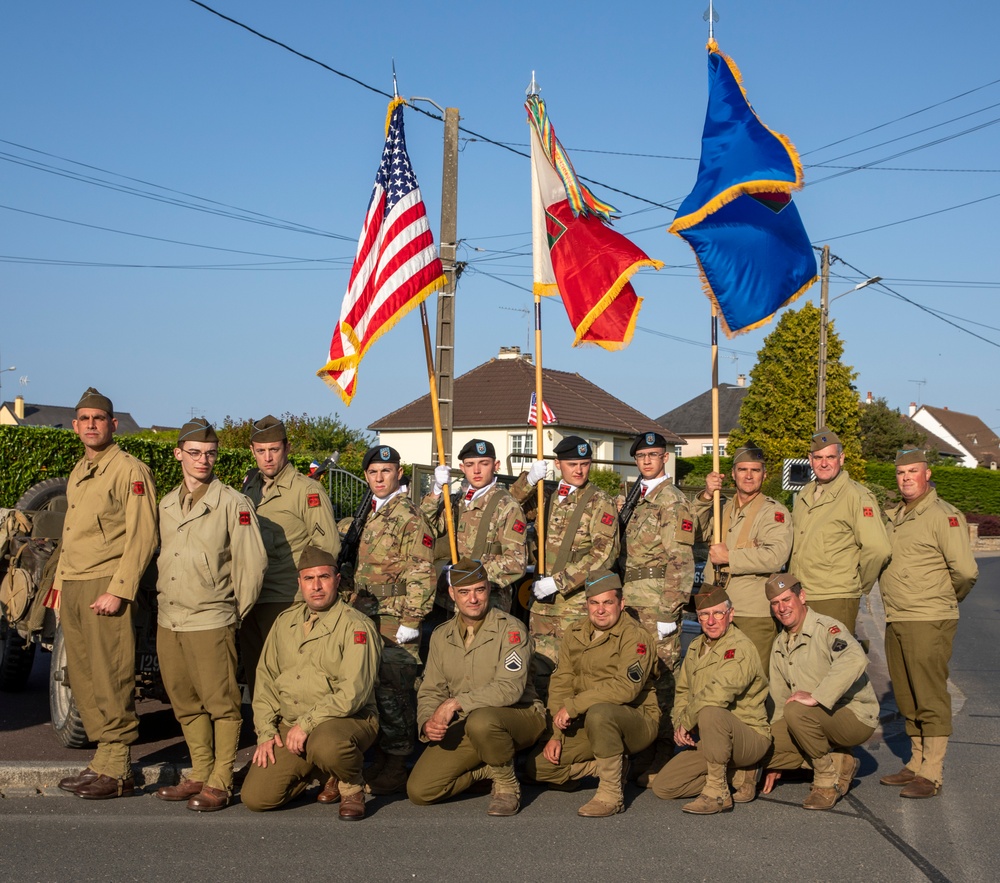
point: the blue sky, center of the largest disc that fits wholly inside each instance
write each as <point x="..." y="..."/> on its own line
<point x="170" y="310"/>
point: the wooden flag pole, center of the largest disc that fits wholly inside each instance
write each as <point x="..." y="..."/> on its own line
<point x="539" y="436"/>
<point x="716" y="495"/>
<point x="438" y="433"/>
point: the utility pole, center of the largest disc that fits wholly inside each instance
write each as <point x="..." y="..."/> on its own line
<point x="824" y="318"/>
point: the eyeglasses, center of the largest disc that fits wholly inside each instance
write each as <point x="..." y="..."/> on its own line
<point x="712" y="614"/>
<point x="211" y="456"/>
<point x="651" y="455"/>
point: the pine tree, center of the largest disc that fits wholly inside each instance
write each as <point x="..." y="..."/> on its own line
<point x="884" y="432"/>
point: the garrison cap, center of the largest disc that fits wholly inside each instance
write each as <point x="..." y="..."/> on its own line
<point x="710" y="596"/>
<point x="313" y="556"/>
<point x="93" y="399"/>
<point x="197" y="429"/>
<point x="573" y="448"/>
<point x="823" y="439"/>
<point x="748" y="454"/>
<point x="268" y="429"/>
<point x="905" y="458"/>
<point x="477" y="447"/>
<point x="601" y="581"/>
<point x="779" y="583"/>
<point x="646" y="440"/>
<point x="380" y="454"/>
<point x="467" y="572"/>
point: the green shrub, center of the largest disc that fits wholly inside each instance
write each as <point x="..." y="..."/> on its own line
<point x="971" y="490"/>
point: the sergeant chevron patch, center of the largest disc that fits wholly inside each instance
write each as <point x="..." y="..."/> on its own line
<point x="513" y="661"/>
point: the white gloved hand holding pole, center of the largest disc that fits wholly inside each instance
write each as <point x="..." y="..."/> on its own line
<point x="406" y="635"/>
<point x="537" y="471"/>
<point x="442" y="475"/>
<point x="664" y="629"/>
<point x="544" y="587"/>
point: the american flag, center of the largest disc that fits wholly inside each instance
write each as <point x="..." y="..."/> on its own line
<point x="396" y="266"/>
<point x="548" y="416"/>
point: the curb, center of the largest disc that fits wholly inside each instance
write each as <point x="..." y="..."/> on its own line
<point x="32" y="779"/>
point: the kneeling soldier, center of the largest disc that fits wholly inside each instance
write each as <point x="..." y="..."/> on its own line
<point x="602" y="698"/>
<point x="314" y="706"/>
<point x="476" y="705"/>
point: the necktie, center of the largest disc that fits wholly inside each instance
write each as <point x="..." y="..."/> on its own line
<point x="642" y="493"/>
<point x="307" y="626"/>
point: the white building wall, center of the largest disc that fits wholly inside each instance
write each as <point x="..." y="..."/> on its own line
<point x="932" y="424"/>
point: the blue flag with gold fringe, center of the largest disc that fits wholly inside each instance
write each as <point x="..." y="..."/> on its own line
<point x="754" y="256"/>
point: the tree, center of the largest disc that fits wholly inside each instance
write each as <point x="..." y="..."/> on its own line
<point x="779" y="411"/>
<point x="884" y="431"/>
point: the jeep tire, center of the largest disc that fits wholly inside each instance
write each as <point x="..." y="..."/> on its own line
<point x="65" y="717"/>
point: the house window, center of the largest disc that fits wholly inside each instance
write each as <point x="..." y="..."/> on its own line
<point x="522" y="450"/>
<point x="707" y="449"/>
<point x="678" y="450"/>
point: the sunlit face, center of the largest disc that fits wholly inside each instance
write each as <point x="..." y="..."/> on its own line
<point x="197" y="459"/>
<point x="913" y="480"/>
<point x="715" y="620"/>
<point x="574" y="472"/>
<point x="651" y="462"/>
<point x="384" y="478"/>
<point x="479" y="471"/>
<point x="605" y="610"/>
<point x="789" y="608"/>
<point x="271" y="457"/>
<point x="95" y="428"/>
<point x="472" y="602"/>
<point x="827" y="462"/>
<point x="749" y="477"/>
<point x="318" y="586"/>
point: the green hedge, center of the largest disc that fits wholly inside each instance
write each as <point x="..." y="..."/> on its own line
<point x="971" y="490"/>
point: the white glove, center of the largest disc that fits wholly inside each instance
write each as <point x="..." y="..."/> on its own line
<point x="406" y="635"/>
<point x="544" y="587"/>
<point x="442" y="475"/>
<point x="537" y="471"/>
<point x="665" y="628"/>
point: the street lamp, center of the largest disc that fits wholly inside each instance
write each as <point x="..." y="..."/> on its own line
<point x="11" y="368"/>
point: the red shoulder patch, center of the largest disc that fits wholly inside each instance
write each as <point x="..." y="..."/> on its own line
<point x="730" y="654"/>
<point x="514" y="637"/>
<point x="312" y="500"/>
<point x="519" y="527"/>
<point x="834" y="630"/>
<point x="139" y="488"/>
<point x="428" y="542"/>
<point x="687" y="525"/>
<point x="779" y="517"/>
<point x="244" y="518"/>
<point x="607" y="518"/>
<point x="640" y="649"/>
<point x="869" y="512"/>
<point x="952" y="521"/>
<point x="361" y="637"/>
<point x="563" y="490"/>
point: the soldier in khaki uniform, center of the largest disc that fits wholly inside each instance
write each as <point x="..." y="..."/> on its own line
<point x="840" y="545"/>
<point x="314" y="709"/>
<point x="718" y="712"/>
<point x="109" y="537"/>
<point x="931" y="571"/>
<point x="490" y="525"/>
<point x="211" y="565"/>
<point x="294" y="511"/>
<point x="824" y="704"/>
<point x="756" y="540"/>
<point x="394" y="584"/>
<point x="581" y="536"/>
<point x="476" y="705"/>
<point x="602" y="699"/>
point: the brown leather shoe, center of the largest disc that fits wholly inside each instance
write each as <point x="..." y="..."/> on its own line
<point x="209" y="800"/>
<point x="703" y="805"/>
<point x="106" y="788"/>
<point x="848" y="771"/>
<point x="903" y="777"/>
<point x="84" y="777"/>
<point x="181" y="791"/>
<point x="821" y="798"/>
<point x="352" y="807"/>
<point x="919" y="788"/>
<point x="503" y="803"/>
<point x="330" y="792"/>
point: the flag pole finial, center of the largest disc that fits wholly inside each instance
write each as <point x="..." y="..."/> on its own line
<point x="533" y="87"/>
<point x="395" y="91"/>
<point x="711" y="16"/>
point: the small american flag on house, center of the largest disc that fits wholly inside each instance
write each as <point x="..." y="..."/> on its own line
<point x="548" y="415"/>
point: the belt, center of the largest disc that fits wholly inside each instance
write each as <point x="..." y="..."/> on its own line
<point x="384" y="590"/>
<point x="632" y="574"/>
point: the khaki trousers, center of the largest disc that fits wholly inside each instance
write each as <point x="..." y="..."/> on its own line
<point x="762" y="630"/>
<point x="722" y="739"/>
<point x="335" y="748"/>
<point x="918" y="654"/>
<point x="668" y="654"/>
<point x="808" y="732"/>
<point x="486" y="736"/>
<point x="843" y="610"/>
<point x="100" y="662"/>
<point x="253" y="632"/>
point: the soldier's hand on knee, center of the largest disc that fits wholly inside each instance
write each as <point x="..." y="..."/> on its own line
<point x="683" y="737"/>
<point x="265" y="752"/>
<point x="295" y="741"/>
<point x="552" y="751"/>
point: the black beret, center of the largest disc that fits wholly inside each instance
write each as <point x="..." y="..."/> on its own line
<point x="647" y="440"/>
<point x="381" y="454"/>
<point x="477" y="447"/>
<point x="573" y="448"/>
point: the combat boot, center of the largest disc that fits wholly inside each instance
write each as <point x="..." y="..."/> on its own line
<point x="392" y="777"/>
<point x="715" y="796"/>
<point x="847" y="768"/>
<point x="506" y="794"/>
<point x="824" y="794"/>
<point x="609" y="798"/>
<point x="745" y="784"/>
<point x="927" y="782"/>
<point x="909" y="772"/>
<point x="199" y="736"/>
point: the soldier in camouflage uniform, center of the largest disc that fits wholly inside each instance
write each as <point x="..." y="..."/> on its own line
<point x="581" y="536"/>
<point x="659" y="573"/>
<point x="394" y="584"/>
<point x="490" y="524"/>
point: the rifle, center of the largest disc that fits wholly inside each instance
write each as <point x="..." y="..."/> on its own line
<point x="631" y="501"/>
<point x="347" y="560"/>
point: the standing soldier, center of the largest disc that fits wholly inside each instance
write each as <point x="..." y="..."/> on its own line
<point x="659" y="573"/>
<point x="756" y="541"/>
<point x="108" y="540"/>
<point x="840" y="544"/>
<point x="490" y="525"/>
<point x="211" y="565"/>
<point x="294" y="511"/>
<point x="581" y="536"/>
<point x="931" y="571"/>
<point x="394" y="584"/>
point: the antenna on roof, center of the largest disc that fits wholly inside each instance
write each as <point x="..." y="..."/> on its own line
<point x="920" y="384"/>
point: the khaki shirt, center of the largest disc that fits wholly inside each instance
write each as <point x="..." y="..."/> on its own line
<point x="397" y="550"/>
<point x="840" y="545"/>
<point x="823" y="659"/>
<point x="615" y="667"/>
<point x="295" y="513"/>
<point x="660" y="533"/>
<point x="110" y="526"/>
<point x="306" y="680"/>
<point x="505" y="556"/>
<point x="211" y="562"/>
<point x="764" y="551"/>
<point x="728" y="676"/>
<point x="493" y="672"/>
<point x="932" y="567"/>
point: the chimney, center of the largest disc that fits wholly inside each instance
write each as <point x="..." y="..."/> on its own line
<point x="19" y="407"/>
<point x="868" y="400"/>
<point x="913" y="408"/>
<point x="509" y="352"/>
<point x="741" y="380"/>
